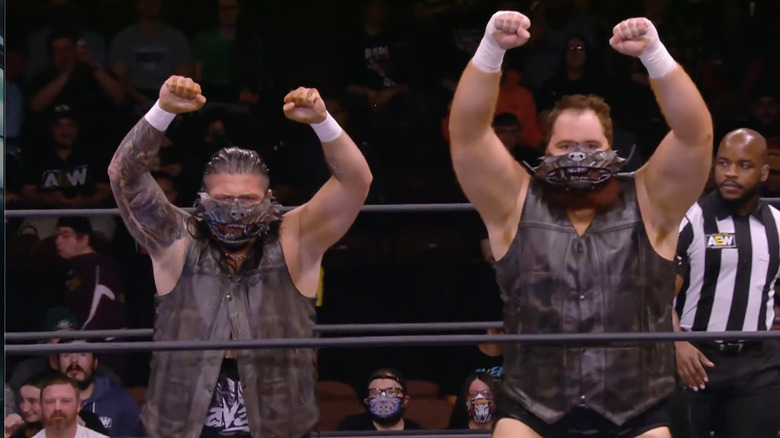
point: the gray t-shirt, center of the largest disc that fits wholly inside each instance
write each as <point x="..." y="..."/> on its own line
<point x="150" y="59"/>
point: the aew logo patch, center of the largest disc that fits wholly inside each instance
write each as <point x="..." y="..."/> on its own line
<point x="721" y="240"/>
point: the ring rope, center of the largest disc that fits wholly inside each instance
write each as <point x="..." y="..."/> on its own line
<point x="387" y="341"/>
<point x="369" y="208"/>
<point x="318" y="328"/>
<point x="430" y="433"/>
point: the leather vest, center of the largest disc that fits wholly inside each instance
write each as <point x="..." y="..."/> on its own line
<point x="609" y="280"/>
<point x="208" y="304"/>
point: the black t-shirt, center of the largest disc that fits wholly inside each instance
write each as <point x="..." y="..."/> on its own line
<point x="76" y="175"/>
<point x="227" y="413"/>
<point x="467" y="360"/>
<point x="364" y="422"/>
<point x="82" y="92"/>
<point x="376" y="61"/>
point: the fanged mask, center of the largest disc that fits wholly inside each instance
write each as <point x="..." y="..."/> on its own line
<point x="579" y="169"/>
<point x="233" y="223"/>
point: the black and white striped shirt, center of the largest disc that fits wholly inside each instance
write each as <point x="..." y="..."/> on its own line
<point x="729" y="265"/>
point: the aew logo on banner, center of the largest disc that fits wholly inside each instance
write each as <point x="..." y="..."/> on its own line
<point x="721" y="240"/>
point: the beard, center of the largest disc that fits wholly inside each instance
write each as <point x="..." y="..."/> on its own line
<point x="59" y="420"/>
<point x="603" y="196"/>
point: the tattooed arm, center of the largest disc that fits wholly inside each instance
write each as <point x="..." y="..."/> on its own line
<point x="155" y="223"/>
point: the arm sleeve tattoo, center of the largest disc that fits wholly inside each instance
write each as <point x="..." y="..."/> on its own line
<point x="153" y="221"/>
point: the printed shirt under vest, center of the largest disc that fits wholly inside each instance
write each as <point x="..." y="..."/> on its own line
<point x="261" y="302"/>
<point x="608" y="280"/>
<point x="729" y="265"/>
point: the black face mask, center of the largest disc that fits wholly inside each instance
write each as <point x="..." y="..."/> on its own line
<point x="235" y="225"/>
<point x="579" y="169"/>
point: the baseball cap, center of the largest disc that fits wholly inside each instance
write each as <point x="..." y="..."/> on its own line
<point x="59" y="318"/>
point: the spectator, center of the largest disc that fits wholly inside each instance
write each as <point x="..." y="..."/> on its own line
<point x="228" y="60"/>
<point x="66" y="175"/>
<point x="578" y="73"/>
<point x="507" y="128"/>
<point x="30" y="423"/>
<point x="474" y="407"/>
<point x="375" y="60"/>
<point x="385" y="402"/>
<point x="116" y="408"/>
<point x="75" y="78"/>
<point x="142" y="56"/>
<point x="764" y="112"/>
<point x="55" y="319"/>
<point x="60" y="401"/>
<point x="771" y="187"/>
<point x="59" y="13"/>
<point x="95" y="282"/>
<point x="482" y="358"/>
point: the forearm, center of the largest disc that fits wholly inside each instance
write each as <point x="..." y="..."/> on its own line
<point x="683" y="107"/>
<point x="110" y="86"/>
<point x="473" y="106"/>
<point x="98" y="199"/>
<point x="346" y="163"/>
<point x="47" y="94"/>
<point x="676" y="321"/>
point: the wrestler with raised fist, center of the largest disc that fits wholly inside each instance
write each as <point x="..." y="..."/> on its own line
<point x="581" y="247"/>
<point x="235" y="269"/>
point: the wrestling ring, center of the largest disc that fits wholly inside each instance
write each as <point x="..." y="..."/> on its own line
<point x="348" y="335"/>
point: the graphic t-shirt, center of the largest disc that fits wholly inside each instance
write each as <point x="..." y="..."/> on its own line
<point x="227" y="413"/>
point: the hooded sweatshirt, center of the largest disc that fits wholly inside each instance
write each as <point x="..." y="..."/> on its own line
<point x="115" y="407"/>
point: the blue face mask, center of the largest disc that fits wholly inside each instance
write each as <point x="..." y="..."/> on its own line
<point x="386" y="409"/>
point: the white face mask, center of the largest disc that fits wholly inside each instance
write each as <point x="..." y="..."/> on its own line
<point x="480" y="409"/>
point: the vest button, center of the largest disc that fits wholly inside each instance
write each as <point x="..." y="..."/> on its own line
<point x="229" y="297"/>
<point x="582" y="297"/>
<point x="582" y="397"/>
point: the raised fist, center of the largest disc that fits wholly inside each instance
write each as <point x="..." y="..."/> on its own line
<point x="509" y="29"/>
<point x="181" y="95"/>
<point x="305" y="105"/>
<point x="633" y="36"/>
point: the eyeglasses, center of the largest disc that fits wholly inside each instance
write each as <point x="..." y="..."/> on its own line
<point x="392" y="392"/>
<point x="577" y="48"/>
<point x="485" y="393"/>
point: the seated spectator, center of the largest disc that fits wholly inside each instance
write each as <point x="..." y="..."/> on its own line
<point x="145" y="54"/>
<point x="94" y="285"/>
<point x="771" y="187"/>
<point x="55" y="319"/>
<point x="31" y="422"/>
<point x="65" y="175"/>
<point x="374" y="64"/>
<point x="507" y="128"/>
<point x="54" y="15"/>
<point x="474" y="407"/>
<point x="74" y="78"/>
<point x="579" y="73"/>
<point x="116" y="408"/>
<point x="764" y="112"/>
<point x="385" y="402"/>
<point x="228" y="59"/>
<point x="60" y="405"/>
<point x="518" y="101"/>
<point x="468" y="359"/>
<point x="168" y="185"/>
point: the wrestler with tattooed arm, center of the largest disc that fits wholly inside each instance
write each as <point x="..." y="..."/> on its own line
<point x="581" y="247"/>
<point x="236" y="269"/>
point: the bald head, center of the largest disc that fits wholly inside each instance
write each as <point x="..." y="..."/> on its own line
<point x="748" y="139"/>
<point x="741" y="165"/>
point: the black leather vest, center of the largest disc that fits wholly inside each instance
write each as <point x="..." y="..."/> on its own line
<point x="208" y="303"/>
<point x="607" y="281"/>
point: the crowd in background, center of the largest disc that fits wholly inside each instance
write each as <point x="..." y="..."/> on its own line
<point x="79" y="74"/>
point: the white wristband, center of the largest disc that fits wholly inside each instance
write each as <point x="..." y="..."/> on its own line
<point x="489" y="55"/>
<point x="158" y="117"/>
<point x="657" y="60"/>
<point x="328" y="130"/>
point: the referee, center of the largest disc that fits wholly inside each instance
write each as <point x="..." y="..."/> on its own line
<point x="729" y="257"/>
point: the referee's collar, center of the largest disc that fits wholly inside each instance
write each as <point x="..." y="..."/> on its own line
<point x="723" y="209"/>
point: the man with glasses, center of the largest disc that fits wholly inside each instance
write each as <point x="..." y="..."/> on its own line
<point x="385" y="402"/>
